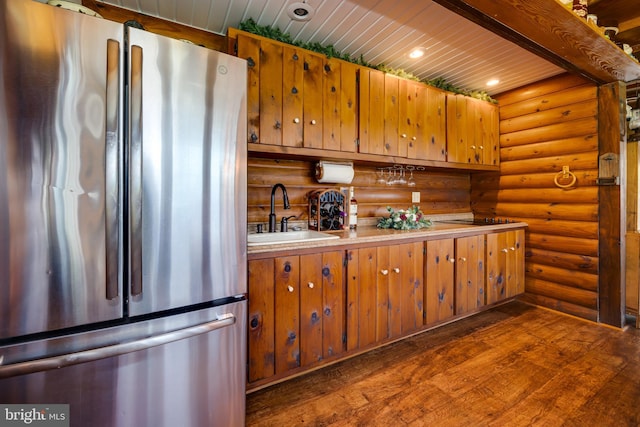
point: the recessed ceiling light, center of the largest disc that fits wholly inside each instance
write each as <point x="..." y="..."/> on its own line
<point x="417" y="52"/>
<point x="493" y="82"/>
<point x="300" y="11"/>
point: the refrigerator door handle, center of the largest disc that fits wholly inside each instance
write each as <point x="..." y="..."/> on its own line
<point x="56" y="362"/>
<point x="112" y="129"/>
<point x="135" y="174"/>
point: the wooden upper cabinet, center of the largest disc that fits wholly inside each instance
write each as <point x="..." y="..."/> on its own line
<point x="301" y="99"/>
<point x="401" y="118"/>
<point x="298" y="98"/>
<point x="472" y="131"/>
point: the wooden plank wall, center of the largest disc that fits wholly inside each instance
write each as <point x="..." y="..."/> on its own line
<point x="543" y="127"/>
<point x="441" y="192"/>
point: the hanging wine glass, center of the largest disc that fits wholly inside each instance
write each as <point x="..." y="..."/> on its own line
<point x="381" y="179"/>
<point x="411" y="182"/>
<point x="391" y="177"/>
<point x="401" y="179"/>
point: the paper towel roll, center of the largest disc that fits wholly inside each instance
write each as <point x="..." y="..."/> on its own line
<point x="331" y="172"/>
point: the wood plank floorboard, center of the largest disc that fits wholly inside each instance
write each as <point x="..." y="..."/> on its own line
<point x="514" y="365"/>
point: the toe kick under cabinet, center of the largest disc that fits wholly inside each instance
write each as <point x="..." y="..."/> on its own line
<point x="308" y="310"/>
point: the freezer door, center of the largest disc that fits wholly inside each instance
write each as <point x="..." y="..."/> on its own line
<point x="59" y="144"/>
<point x="194" y="381"/>
<point x="187" y="177"/>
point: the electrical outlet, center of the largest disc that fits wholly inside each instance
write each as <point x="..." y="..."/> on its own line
<point x="415" y="197"/>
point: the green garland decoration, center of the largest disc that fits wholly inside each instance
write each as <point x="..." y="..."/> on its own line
<point x="274" y="33"/>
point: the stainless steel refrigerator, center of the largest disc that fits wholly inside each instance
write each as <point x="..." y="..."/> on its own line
<point x="122" y="222"/>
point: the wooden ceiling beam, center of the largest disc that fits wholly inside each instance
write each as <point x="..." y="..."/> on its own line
<point x="553" y="32"/>
<point x="159" y="26"/>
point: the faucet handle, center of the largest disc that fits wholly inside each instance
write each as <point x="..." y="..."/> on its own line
<point x="284" y="223"/>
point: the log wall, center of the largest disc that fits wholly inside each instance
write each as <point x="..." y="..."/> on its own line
<point x="543" y="127"/>
<point x="440" y="192"/>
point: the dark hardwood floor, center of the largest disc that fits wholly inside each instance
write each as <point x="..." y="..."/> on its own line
<point x="514" y="365"/>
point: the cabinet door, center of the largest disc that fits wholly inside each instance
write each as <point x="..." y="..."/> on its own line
<point x="249" y="49"/>
<point x="406" y="289"/>
<point x="333" y="304"/>
<point x="470" y="275"/>
<point x="261" y="337"/>
<point x="371" y="111"/>
<point x="488" y="141"/>
<point x="348" y="107"/>
<point x="362" y="271"/>
<point x="292" y="96"/>
<point x="311" y="309"/>
<point x="496" y="253"/>
<point x="391" y="101"/>
<point x="270" y="93"/>
<point x="505" y="265"/>
<point x="415" y="121"/>
<point x="439" y="275"/>
<point x="312" y="102"/>
<point x="457" y="130"/>
<point x="321" y="307"/>
<point x="434" y="134"/>
<point x="287" y="313"/>
<point x="382" y="293"/>
<point x="264" y="89"/>
<point x="331" y="104"/>
<point x="407" y="138"/>
<point x="515" y="263"/>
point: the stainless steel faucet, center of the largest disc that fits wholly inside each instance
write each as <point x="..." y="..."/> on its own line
<point x="272" y="214"/>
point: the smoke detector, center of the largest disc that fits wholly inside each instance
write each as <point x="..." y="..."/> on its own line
<point x="300" y="11"/>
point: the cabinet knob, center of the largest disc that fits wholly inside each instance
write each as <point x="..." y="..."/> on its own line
<point x="290" y="288"/>
<point x="310" y="284"/>
<point x="505" y="250"/>
<point x="482" y="147"/>
<point x="512" y="248"/>
<point x="384" y="272"/>
<point x="452" y="260"/>
<point x="296" y="120"/>
<point x="396" y="270"/>
<point x="414" y="138"/>
<point x="404" y="135"/>
<point x="473" y="147"/>
<point x="313" y="122"/>
<point x="462" y="259"/>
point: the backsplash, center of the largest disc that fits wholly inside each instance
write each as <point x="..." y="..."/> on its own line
<point x="440" y="192"/>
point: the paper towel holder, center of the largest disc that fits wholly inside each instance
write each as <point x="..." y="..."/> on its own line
<point x="325" y="169"/>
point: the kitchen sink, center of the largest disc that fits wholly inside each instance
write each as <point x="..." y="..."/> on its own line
<point x="280" y="238"/>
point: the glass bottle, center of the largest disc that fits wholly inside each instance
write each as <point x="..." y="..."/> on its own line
<point x="353" y="209"/>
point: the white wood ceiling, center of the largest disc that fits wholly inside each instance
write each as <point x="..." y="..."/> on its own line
<point x="381" y="31"/>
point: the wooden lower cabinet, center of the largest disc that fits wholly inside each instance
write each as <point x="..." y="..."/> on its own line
<point x="305" y="310"/>
<point x="296" y="312"/>
<point x="384" y="293"/>
<point x="504" y="265"/>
